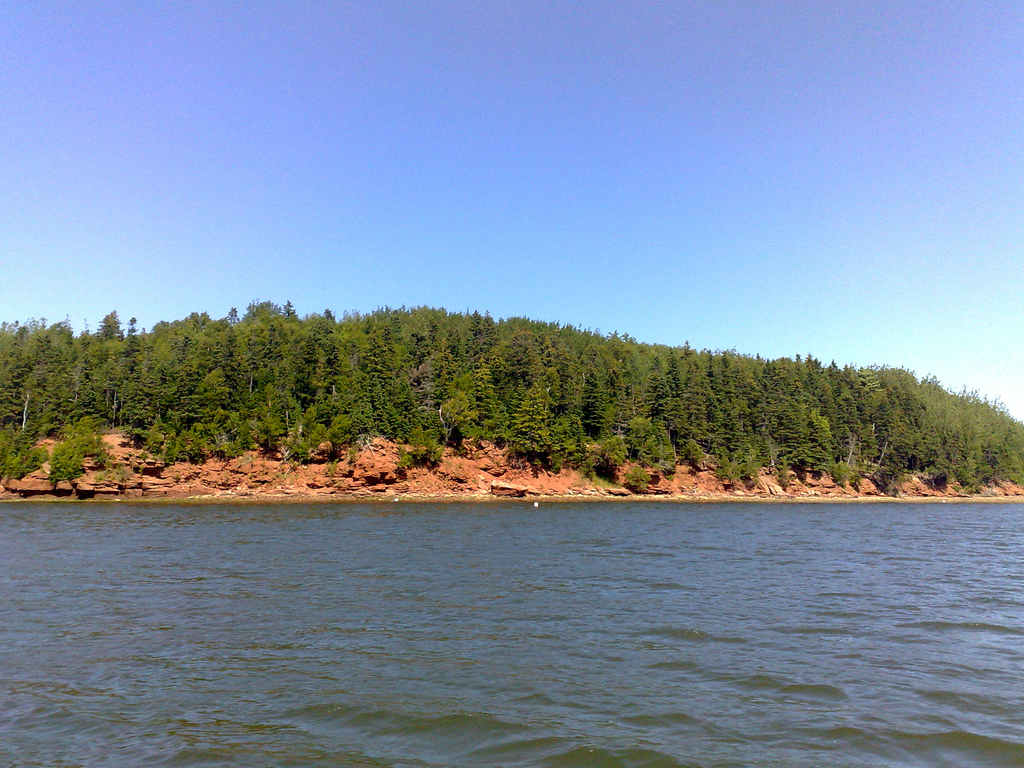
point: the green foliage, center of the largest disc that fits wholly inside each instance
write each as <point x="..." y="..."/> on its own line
<point x="636" y="479"/>
<point x="457" y="415"/>
<point x="154" y="440"/>
<point x="340" y="434"/>
<point x="693" y="454"/>
<point x="531" y="424"/>
<point x="81" y="439"/>
<point x="66" y="462"/>
<point x="855" y="480"/>
<point x="749" y="467"/>
<point x="887" y="479"/>
<point x="194" y="444"/>
<point x="297" y="447"/>
<point x="424" y="450"/>
<point x="608" y="455"/>
<point x="18" y="455"/>
<point x="649" y="444"/>
<point x="841" y="472"/>
<point x="240" y="436"/>
<point x="728" y="471"/>
<point x="568" y="442"/>
<point x="270" y="379"/>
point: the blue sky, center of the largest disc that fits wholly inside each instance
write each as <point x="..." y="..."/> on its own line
<point x="844" y="179"/>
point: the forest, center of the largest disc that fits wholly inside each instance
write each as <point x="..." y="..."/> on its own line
<point x="554" y="395"/>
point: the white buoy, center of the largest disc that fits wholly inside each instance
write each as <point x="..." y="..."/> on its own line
<point x="536" y="503"/>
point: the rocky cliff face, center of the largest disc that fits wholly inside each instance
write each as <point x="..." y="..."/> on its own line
<point x="480" y="471"/>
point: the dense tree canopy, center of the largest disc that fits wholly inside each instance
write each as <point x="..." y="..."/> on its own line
<point x="555" y="394"/>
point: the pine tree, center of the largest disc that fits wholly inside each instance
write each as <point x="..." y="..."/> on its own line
<point x="531" y="424"/>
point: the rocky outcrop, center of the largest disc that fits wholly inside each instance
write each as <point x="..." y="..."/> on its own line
<point x="376" y="470"/>
<point x="34" y="484"/>
<point x="508" y="489"/>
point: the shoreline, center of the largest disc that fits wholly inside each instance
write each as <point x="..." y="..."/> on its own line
<point x="480" y="473"/>
<point x="229" y="498"/>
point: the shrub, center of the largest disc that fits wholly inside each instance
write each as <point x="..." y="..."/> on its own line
<point x="154" y="440"/>
<point x="424" y="450"/>
<point x="750" y="467"/>
<point x="194" y="444"/>
<point x="608" y="455"/>
<point x="636" y="479"/>
<point x="21" y="462"/>
<point x="648" y="444"/>
<point x="728" y="471"/>
<point x="693" y="454"/>
<point x="840" y="472"/>
<point x="887" y="480"/>
<point x="80" y="440"/>
<point x="66" y="462"/>
<point x="340" y="432"/>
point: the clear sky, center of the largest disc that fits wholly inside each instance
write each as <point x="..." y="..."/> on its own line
<point x="844" y="179"/>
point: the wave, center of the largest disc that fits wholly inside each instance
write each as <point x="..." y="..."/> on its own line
<point x="680" y="664"/>
<point x="966" y="702"/>
<point x="851" y="615"/>
<point x="598" y="757"/>
<point x="843" y="733"/>
<point x="667" y="719"/>
<point x="671" y="585"/>
<point x="954" y="747"/>
<point x="477" y="738"/>
<point x="970" y="626"/>
<point x="809" y="691"/>
<point x="692" y="635"/>
<point x="463" y="725"/>
<point x="521" y="750"/>
<point x="564" y="752"/>
<point x="808" y="630"/>
<point x="962" y="747"/>
<point x="193" y="756"/>
<point x="818" y="691"/>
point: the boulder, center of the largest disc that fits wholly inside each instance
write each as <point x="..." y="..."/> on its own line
<point x="152" y="467"/>
<point x="92" y="488"/>
<point x="770" y="485"/>
<point x="868" y="488"/>
<point x="372" y="477"/>
<point x="499" y="488"/>
<point x="32" y="484"/>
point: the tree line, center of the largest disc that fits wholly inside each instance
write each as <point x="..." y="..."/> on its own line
<point x="553" y="394"/>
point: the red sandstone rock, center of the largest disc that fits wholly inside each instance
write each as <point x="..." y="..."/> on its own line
<point x="32" y="484"/>
<point x="374" y="471"/>
<point x="770" y="486"/>
<point x="499" y="488"/>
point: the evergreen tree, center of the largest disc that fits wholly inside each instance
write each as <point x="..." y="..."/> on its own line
<point x="531" y="424"/>
<point x="199" y="386"/>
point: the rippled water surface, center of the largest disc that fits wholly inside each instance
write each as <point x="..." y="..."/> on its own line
<point x="507" y="635"/>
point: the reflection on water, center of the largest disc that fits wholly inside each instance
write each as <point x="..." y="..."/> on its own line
<point x="504" y="635"/>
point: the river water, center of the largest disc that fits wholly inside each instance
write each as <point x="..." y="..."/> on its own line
<point x="615" y="634"/>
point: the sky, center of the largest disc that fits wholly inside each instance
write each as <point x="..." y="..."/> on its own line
<point x="840" y="179"/>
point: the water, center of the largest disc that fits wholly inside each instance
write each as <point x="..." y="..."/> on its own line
<point x="653" y="635"/>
